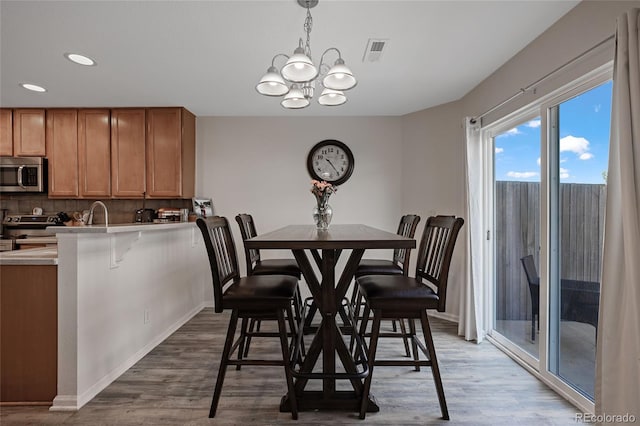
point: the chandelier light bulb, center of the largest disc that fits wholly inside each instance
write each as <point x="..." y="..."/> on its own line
<point x="299" y="68"/>
<point x="272" y="84"/>
<point x="295" y="99"/>
<point x="331" y="97"/>
<point x="339" y="77"/>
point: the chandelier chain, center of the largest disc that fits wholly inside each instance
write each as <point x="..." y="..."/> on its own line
<point x="308" y="24"/>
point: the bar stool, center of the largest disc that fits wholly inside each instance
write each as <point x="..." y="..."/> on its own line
<point x="258" y="266"/>
<point x="255" y="264"/>
<point x="400" y="296"/>
<point x="263" y="297"/>
<point x="398" y="265"/>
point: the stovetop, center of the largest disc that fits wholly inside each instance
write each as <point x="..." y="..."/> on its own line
<point x="30" y="221"/>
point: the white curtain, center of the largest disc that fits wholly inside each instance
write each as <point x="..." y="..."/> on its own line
<point x="471" y="313"/>
<point x="618" y="347"/>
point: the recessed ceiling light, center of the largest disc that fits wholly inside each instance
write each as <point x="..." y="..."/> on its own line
<point x="80" y="59"/>
<point x="33" y="87"/>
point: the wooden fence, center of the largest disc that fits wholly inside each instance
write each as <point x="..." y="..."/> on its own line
<point x="517" y="234"/>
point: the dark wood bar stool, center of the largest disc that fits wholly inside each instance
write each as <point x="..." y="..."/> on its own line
<point x="262" y="297"/>
<point x="400" y="296"/>
<point x="255" y="264"/>
<point x="397" y="265"/>
<point x="258" y="266"/>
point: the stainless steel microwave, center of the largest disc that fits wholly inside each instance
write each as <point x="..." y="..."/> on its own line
<point x="23" y="174"/>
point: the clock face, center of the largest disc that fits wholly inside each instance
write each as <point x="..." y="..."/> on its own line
<point x="331" y="161"/>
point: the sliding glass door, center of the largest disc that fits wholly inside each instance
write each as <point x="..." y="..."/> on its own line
<point x="579" y="142"/>
<point x="517" y="233"/>
<point x="548" y="200"/>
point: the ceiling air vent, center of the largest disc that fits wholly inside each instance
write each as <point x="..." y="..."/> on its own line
<point x="375" y="48"/>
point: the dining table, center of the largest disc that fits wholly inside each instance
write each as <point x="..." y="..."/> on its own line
<point x="328" y="290"/>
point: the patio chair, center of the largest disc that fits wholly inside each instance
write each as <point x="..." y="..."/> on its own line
<point x="534" y="288"/>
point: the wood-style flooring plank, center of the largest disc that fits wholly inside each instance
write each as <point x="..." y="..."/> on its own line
<point x="173" y="385"/>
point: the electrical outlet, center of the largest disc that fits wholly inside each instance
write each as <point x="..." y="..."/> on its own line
<point x="147" y="316"/>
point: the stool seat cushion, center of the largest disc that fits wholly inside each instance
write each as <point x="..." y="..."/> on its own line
<point x="397" y="291"/>
<point x="377" y="267"/>
<point x="260" y="292"/>
<point x="277" y="266"/>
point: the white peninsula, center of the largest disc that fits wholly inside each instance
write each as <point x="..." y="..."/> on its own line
<point x="122" y="289"/>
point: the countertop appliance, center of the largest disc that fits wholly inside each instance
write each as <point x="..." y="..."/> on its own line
<point x="169" y="214"/>
<point x="23" y="174"/>
<point x="144" y="214"/>
<point x="26" y="230"/>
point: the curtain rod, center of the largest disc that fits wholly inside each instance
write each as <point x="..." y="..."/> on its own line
<point x="540" y="80"/>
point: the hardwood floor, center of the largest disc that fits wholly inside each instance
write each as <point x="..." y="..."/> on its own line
<point x="173" y="385"/>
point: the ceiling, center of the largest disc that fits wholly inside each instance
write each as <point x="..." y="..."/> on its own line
<point x="209" y="55"/>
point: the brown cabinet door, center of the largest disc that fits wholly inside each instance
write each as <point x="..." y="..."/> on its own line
<point x="94" y="153"/>
<point x="6" y="132"/>
<point x="62" y="152"/>
<point x="28" y="334"/>
<point x="170" y="153"/>
<point x="127" y="153"/>
<point x="164" y="152"/>
<point x="29" y="132"/>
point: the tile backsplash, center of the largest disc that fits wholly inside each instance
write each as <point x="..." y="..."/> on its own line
<point x="120" y="211"/>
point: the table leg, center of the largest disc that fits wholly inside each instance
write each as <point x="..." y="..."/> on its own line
<point x="328" y="339"/>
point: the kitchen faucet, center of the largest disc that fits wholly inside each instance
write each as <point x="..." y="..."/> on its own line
<point x="93" y="206"/>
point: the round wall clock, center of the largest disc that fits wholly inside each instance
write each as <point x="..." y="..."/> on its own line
<point x="331" y="161"/>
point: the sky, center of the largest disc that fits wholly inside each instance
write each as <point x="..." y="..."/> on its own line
<point x="584" y="142"/>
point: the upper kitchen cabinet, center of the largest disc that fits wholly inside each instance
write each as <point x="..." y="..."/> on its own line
<point x="62" y="152"/>
<point x="128" y="152"/>
<point x="94" y="153"/>
<point x="6" y="132"/>
<point x="29" y="132"/>
<point x="170" y="153"/>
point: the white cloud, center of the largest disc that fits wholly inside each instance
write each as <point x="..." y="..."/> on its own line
<point x="522" y="175"/>
<point x="564" y="173"/>
<point x="597" y="108"/>
<point x="510" y="132"/>
<point x="586" y="156"/>
<point x="499" y="150"/>
<point x="539" y="161"/>
<point x="534" y="123"/>
<point x="577" y="145"/>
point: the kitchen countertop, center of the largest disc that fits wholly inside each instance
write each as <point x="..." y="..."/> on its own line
<point x="119" y="227"/>
<point x="49" y="255"/>
<point x="36" y="240"/>
<point x="35" y="256"/>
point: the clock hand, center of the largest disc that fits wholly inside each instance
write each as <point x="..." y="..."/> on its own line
<point x="334" y="167"/>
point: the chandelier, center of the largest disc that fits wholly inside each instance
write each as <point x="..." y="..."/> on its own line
<point x="296" y="80"/>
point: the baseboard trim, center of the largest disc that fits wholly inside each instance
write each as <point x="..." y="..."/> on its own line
<point x="75" y="402"/>
<point x="444" y="315"/>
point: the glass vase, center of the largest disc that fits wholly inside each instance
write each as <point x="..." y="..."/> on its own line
<point x="322" y="216"/>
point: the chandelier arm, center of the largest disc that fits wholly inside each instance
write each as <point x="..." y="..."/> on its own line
<point x="273" y="61"/>
<point x="327" y="51"/>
